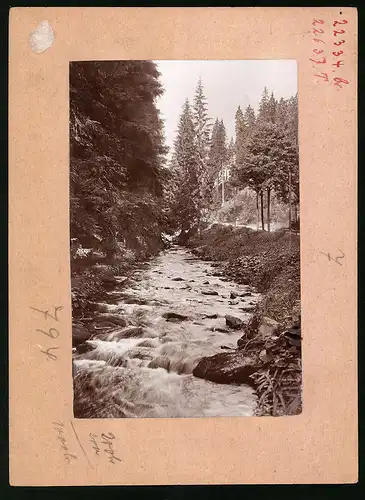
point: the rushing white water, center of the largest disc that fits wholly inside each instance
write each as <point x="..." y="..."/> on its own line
<point x="149" y="373"/>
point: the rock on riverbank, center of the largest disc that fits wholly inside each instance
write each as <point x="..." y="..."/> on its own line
<point x="228" y="367"/>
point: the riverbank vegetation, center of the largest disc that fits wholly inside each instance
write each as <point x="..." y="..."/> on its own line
<point x="270" y="263"/>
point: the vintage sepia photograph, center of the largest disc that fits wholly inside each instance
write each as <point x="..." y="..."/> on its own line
<point x="185" y="238"/>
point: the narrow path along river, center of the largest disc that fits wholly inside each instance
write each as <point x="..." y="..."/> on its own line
<point x="145" y="369"/>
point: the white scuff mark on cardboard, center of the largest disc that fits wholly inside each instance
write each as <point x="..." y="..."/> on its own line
<point x="42" y="37"/>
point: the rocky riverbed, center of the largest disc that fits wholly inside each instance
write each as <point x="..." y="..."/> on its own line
<point x="164" y="344"/>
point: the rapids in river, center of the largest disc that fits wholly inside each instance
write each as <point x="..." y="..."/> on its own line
<point x="149" y="373"/>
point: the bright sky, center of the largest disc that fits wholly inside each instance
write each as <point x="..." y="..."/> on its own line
<point x="227" y="84"/>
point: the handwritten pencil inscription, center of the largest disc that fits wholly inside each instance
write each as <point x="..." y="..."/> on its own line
<point x="52" y="332"/>
<point x="104" y="444"/>
<point x="59" y="428"/>
<point x="334" y="259"/>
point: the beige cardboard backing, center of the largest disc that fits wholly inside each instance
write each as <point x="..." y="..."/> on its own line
<point x="320" y="445"/>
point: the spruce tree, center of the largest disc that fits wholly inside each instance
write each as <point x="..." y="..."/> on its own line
<point x="241" y="135"/>
<point x="250" y="119"/>
<point x="272" y="109"/>
<point x="202" y="127"/>
<point x="187" y="203"/>
<point x="263" y="107"/>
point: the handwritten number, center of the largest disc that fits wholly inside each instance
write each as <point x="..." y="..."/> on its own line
<point x="324" y="60"/>
<point x="328" y="255"/>
<point x="337" y="82"/>
<point x="49" y="354"/>
<point x="324" y="76"/>
<point x="47" y="314"/>
<point x="52" y="332"/>
<point x="339" y="22"/>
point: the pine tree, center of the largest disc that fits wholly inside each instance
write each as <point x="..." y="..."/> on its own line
<point x="289" y="189"/>
<point x="292" y="118"/>
<point x="250" y="119"/>
<point x="231" y="163"/>
<point x="218" y="154"/>
<point x="271" y="109"/>
<point x="231" y="152"/>
<point x="202" y="127"/>
<point x="187" y="203"/>
<point x="241" y="135"/>
<point x="263" y="113"/>
<point x="282" y="113"/>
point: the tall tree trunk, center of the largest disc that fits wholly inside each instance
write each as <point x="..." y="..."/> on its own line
<point x="295" y="213"/>
<point x="257" y="210"/>
<point x="289" y="200"/>
<point x="268" y="209"/>
<point x="222" y="190"/>
<point x="289" y="210"/>
<point x="262" y="210"/>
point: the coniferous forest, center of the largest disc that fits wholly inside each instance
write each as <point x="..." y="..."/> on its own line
<point x="146" y="221"/>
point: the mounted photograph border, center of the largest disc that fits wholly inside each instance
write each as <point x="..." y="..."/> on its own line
<point x="314" y="447"/>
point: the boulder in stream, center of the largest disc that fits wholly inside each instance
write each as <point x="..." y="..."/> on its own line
<point x="178" y="279"/>
<point x="211" y="316"/>
<point x="114" y="319"/>
<point x="172" y="316"/>
<point x="228" y="368"/>
<point x="228" y="346"/>
<point x="126" y="333"/>
<point x="98" y="306"/>
<point x="160" y="362"/>
<point x="247" y="308"/>
<point x="85" y="347"/>
<point x="108" y="280"/>
<point x="209" y="292"/>
<point x="80" y="334"/>
<point x="233" y="322"/>
<point x="221" y="330"/>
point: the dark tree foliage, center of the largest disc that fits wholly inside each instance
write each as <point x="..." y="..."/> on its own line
<point x="267" y="155"/>
<point x="116" y="153"/>
<point x="187" y="201"/>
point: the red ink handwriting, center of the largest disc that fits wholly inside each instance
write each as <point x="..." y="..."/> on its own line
<point x="331" y="60"/>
